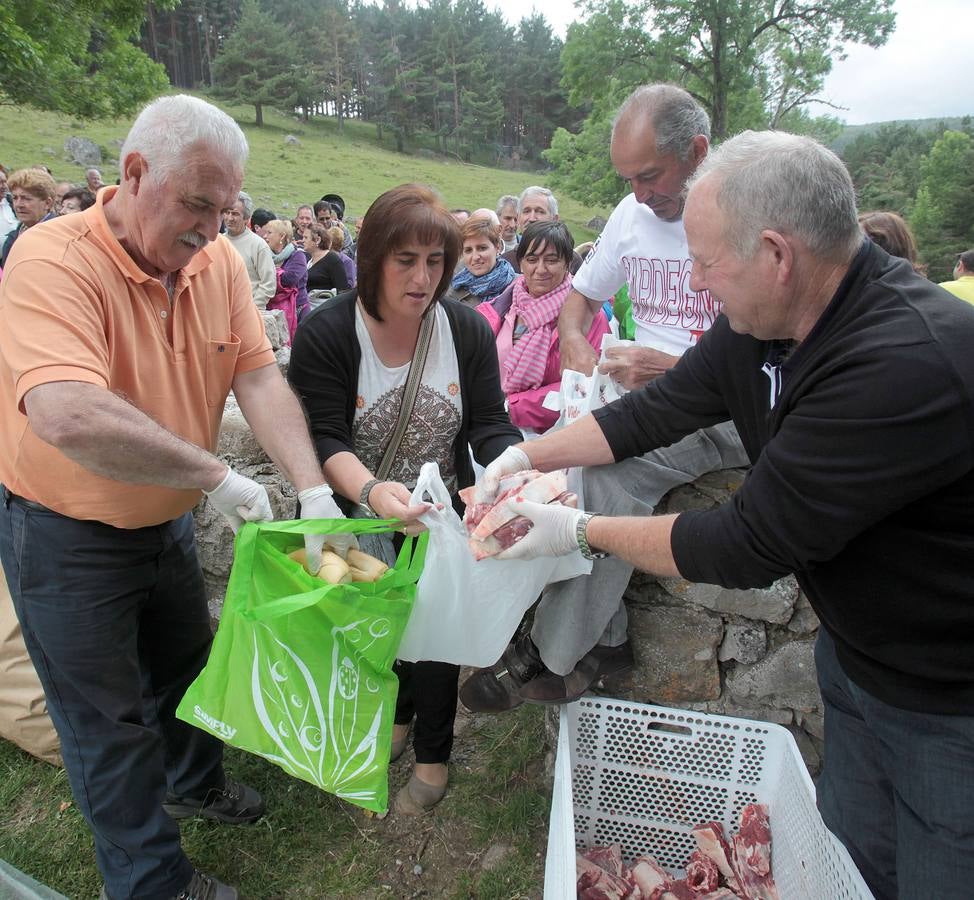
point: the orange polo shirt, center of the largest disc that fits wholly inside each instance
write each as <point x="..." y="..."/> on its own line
<point x="75" y="307"/>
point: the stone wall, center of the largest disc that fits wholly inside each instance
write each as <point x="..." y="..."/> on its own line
<point x="740" y="652"/>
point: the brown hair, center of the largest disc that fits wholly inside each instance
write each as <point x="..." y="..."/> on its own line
<point x="320" y="232"/>
<point x="34" y="181"/>
<point x="481" y="226"/>
<point x="892" y="234"/>
<point x="337" y="237"/>
<point x="410" y="212"/>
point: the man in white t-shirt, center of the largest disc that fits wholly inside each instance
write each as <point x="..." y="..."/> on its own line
<point x="579" y="634"/>
<point x="253" y="248"/>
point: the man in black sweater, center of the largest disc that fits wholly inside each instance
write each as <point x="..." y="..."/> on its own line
<point x="851" y="381"/>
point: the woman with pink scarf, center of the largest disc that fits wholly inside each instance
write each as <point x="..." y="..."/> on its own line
<point x="524" y="319"/>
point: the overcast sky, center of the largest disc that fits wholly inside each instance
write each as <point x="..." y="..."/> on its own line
<point x="925" y="69"/>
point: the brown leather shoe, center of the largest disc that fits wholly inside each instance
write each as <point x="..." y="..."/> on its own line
<point x="497" y="689"/>
<point x="549" y="688"/>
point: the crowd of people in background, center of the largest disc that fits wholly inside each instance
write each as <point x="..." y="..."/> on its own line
<point x="740" y="267"/>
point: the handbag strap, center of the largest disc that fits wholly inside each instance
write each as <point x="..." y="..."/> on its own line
<point x="409" y="393"/>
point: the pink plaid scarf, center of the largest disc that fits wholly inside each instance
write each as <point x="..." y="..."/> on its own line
<point x="528" y="359"/>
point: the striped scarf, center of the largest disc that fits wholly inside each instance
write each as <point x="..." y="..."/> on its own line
<point x="528" y="359"/>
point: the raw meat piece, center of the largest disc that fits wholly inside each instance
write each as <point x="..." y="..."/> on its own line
<point x="542" y="489"/>
<point x="752" y="854"/>
<point x="609" y="858"/>
<point x="476" y="511"/>
<point x="720" y="894"/>
<point x="651" y="877"/>
<point x="595" y="883"/>
<point x="680" y="890"/>
<point x="703" y="876"/>
<point x="712" y="844"/>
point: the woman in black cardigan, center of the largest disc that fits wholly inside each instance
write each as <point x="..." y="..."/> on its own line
<point x="349" y="364"/>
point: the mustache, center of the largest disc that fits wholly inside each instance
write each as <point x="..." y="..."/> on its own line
<point x="194" y="238"/>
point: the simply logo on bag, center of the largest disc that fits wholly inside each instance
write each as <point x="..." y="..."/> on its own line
<point x="222" y="730"/>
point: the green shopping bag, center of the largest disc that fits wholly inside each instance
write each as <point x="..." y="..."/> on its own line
<point x="300" y="671"/>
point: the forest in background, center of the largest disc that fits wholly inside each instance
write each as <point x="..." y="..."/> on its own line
<point x="453" y="78"/>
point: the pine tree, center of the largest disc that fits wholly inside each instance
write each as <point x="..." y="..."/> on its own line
<point x="257" y="64"/>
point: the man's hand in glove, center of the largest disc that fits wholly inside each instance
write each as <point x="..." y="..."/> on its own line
<point x="512" y="460"/>
<point x="553" y="534"/>
<point x="317" y="503"/>
<point x="240" y="500"/>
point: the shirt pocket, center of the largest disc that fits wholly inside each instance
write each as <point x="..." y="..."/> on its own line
<point x="221" y="362"/>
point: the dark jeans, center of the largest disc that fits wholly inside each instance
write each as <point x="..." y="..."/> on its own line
<point x="116" y="624"/>
<point x="897" y="789"/>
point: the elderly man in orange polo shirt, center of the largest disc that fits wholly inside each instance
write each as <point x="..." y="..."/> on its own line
<point x="122" y="330"/>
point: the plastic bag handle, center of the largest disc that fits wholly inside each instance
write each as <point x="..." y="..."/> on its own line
<point x="430" y="482"/>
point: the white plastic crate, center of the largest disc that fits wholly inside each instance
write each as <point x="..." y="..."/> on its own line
<point x="642" y="776"/>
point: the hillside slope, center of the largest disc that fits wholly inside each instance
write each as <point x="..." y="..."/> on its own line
<point x="280" y="175"/>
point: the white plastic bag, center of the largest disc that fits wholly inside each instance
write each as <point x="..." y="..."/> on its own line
<point x="466" y="612"/>
<point x="579" y="395"/>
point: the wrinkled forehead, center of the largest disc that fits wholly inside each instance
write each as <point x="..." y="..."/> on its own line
<point x="535" y="200"/>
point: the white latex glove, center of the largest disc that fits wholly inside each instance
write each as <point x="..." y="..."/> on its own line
<point x="512" y="460"/>
<point x="317" y="503"/>
<point x="553" y="533"/>
<point x="240" y="499"/>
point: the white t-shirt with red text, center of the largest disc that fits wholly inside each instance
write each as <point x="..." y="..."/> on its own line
<point x="650" y="256"/>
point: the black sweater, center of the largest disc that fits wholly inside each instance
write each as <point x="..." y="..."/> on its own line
<point x="324" y="370"/>
<point x="863" y="475"/>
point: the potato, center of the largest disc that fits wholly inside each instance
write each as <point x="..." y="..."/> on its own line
<point x="333" y="569"/>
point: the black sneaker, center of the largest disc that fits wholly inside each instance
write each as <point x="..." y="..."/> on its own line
<point x="235" y="804"/>
<point x="200" y="887"/>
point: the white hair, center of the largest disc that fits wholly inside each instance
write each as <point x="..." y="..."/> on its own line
<point x="676" y="118"/>
<point x="485" y="213"/>
<point x="535" y="191"/>
<point x="786" y="183"/>
<point x="169" y="126"/>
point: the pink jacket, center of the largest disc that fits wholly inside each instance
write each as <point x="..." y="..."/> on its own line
<point x="525" y="407"/>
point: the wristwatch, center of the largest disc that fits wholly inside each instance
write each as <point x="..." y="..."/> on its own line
<point x="582" y="537"/>
<point x="363" y="498"/>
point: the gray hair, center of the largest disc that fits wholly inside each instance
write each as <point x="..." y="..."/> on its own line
<point x="535" y="191"/>
<point x="786" y="183"/>
<point x="676" y="118"/>
<point x="169" y="126"/>
<point x="507" y="200"/>
<point x="248" y="203"/>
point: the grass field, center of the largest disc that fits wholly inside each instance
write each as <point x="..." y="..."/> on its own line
<point x="311" y="845"/>
<point x="280" y="176"/>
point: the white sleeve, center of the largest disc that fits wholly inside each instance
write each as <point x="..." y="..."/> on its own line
<point x="602" y="273"/>
<point x="266" y="285"/>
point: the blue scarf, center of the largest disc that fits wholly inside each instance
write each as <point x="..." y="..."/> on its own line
<point x="485" y="286"/>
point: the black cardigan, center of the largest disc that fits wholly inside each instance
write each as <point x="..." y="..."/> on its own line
<point x="863" y="475"/>
<point x="324" y="367"/>
<point x="327" y="274"/>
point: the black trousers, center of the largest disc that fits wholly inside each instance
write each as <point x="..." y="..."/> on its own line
<point x="428" y="693"/>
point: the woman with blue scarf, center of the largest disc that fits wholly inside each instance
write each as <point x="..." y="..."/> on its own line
<point x="484" y="274"/>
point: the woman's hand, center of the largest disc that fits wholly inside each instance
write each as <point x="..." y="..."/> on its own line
<point x="390" y="500"/>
